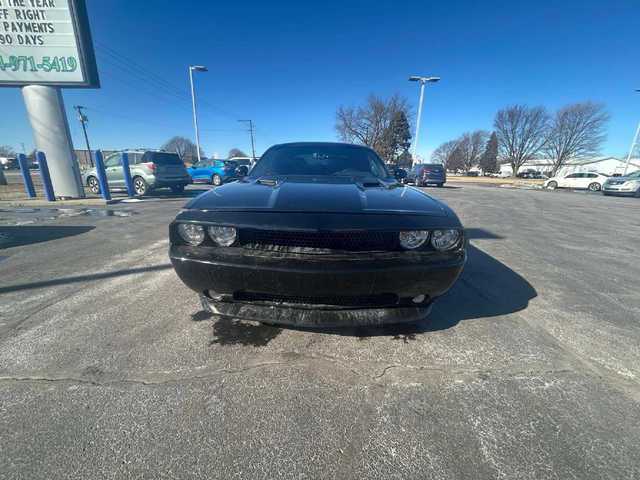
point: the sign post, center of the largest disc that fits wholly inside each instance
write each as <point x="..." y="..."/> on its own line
<point x="46" y="45"/>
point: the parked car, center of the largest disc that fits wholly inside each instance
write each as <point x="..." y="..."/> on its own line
<point x="150" y="169"/>
<point x="591" y="180"/>
<point x="33" y="165"/>
<point x="248" y="161"/>
<point x="214" y="171"/>
<point x="318" y="234"/>
<point x="473" y="173"/>
<point x="423" y="174"/>
<point x="627" y="185"/>
<point x="501" y="174"/>
<point x="9" y="163"/>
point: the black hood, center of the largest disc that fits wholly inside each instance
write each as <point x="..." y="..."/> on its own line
<point x="318" y="195"/>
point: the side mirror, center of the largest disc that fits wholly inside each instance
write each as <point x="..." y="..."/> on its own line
<point x="399" y="173"/>
<point x="242" y="170"/>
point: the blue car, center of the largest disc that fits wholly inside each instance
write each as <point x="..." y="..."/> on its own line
<point x="214" y="171"/>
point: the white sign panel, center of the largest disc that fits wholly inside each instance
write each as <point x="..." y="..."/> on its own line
<point x="40" y="43"/>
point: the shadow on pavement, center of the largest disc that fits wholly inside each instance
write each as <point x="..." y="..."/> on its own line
<point x="82" y="278"/>
<point x="20" y="235"/>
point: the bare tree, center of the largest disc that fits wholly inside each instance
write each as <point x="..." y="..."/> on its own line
<point x="522" y="132"/>
<point x="184" y="147"/>
<point x="236" y="152"/>
<point x="577" y="131"/>
<point x="444" y="151"/>
<point x="368" y="124"/>
<point x="472" y="146"/>
<point x="7" y="151"/>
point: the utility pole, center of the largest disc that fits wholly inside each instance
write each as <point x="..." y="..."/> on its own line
<point x="253" y="150"/>
<point x="197" y="68"/>
<point x="83" y="121"/>
<point x="23" y="149"/>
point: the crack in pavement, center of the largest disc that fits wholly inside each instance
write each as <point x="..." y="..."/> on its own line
<point x="294" y="361"/>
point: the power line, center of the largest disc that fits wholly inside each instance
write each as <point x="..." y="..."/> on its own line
<point x="153" y="123"/>
<point x="157" y="96"/>
<point x="176" y="90"/>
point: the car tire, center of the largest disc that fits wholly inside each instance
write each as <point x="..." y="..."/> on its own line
<point x="216" y="180"/>
<point x="637" y="195"/>
<point x="94" y="185"/>
<point x="177" y="188"/>
<point x="552" y="185"/>
<point x="440" y="185"/>
<point x="140" y="186"/>
<point x="595" y="187"/>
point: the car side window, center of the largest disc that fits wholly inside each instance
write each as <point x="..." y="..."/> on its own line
<point x="211" y="163"/>
<point x="573" y="175"/>
<point x="199" y="164"/>
<point x="112" y="161"/>
<point x="592" y="175"/>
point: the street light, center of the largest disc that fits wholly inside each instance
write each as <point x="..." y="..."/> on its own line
<point x="633" y="145"/>
<point x="423" y="80"/>
<point x="193" y="100"/>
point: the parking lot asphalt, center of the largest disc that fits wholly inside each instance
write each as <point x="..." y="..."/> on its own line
<point x="528" y="368"/>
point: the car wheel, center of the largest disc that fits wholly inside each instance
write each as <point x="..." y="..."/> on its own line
<point x="94" y="185"/>
<point x="552" y="184"/>
<point x="637" y="195"/>
<point x="440" y="185"/>
<point x="595" y="187"/>
<point x="177" y="188"/>
<point x="216" y="180"/>
<point x="140" y="186"/>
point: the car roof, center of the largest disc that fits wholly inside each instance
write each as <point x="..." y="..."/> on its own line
<point x="321" y="144"/>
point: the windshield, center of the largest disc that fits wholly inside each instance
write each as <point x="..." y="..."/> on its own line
<point x="161" y="158"/>
<point x="635" y="174"/>
<point x="320" y="160"/>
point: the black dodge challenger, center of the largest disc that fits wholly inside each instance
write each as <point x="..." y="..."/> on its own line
<point x="318" y="234"/>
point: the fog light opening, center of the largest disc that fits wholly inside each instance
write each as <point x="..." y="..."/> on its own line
<point x="420" y="298"/>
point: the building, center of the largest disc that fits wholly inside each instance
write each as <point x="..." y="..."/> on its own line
<point x="606" y="165"/>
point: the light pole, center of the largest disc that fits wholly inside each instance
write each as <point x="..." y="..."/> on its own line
<point x="83" y="121"/>
<point x="423" y="80"/>
<point x="193" y="100"/>
<point x="633" y="145"/>
<point x="253" y="150"/>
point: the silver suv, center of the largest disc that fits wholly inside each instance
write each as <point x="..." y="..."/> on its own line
<point x="150" y="169"/>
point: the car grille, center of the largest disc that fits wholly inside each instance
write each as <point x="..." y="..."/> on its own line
<point x="352" y="241"/>
<point x="379" y="300"/>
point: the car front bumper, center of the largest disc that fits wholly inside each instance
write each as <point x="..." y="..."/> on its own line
<point x="622" y="191"/>
<point x="234" y="273"/>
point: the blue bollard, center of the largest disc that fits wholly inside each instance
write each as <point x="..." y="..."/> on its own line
<point x="26" y="175"/>
<point x="46" y="176"/>
<point x="102" y="175"/>
<point x="124" y="159"/>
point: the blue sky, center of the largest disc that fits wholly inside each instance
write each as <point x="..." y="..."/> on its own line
<point x="288" y="65"/>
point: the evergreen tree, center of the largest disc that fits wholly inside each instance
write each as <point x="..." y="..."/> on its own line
<point x="489" y="159"/>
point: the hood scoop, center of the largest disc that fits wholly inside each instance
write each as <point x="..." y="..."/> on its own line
<point x="265" y="181"/>
<point x="373" y="183"/>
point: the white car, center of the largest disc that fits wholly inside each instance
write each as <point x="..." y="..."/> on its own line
<point x="591" y="180"/>
<point x="501" y="175"/>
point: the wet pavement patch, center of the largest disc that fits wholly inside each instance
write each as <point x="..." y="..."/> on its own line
<point x="110" y="213"/>
<point x="227" y="331"/>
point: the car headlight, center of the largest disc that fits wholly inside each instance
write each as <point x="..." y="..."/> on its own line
<point x="192" y="234"/>
<point x="444" y="239"/>
<point x="630" y="183"/>
<point x="223" y="236"/>
<point x="413" y="239"/>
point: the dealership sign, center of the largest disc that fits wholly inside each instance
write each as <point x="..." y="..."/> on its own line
<point x="46" y="42"/>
